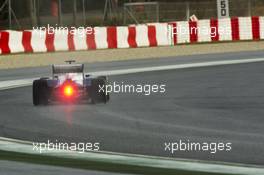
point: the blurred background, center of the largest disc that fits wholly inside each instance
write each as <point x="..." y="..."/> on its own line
<point x="25" y="14"/>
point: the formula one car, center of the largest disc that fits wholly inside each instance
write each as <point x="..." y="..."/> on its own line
<point x="70" y="84"/>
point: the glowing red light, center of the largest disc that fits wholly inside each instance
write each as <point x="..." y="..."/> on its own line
<point x="68" y="90"/>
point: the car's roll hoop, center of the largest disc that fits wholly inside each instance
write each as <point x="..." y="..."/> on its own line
<point x="70" y="61"/>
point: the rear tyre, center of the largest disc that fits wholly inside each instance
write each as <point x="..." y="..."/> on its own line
<point x="40" y="92"/>
<point x="98" y="90"/>
<point x="106" y="83"/>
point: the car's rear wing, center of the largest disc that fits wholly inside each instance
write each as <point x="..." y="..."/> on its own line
<point x="71" y="68"/>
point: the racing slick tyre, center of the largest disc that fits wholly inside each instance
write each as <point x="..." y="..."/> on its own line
<point x="106" y="82"/>
<point x="40" y="92"/>
<point x="98" y="91"/>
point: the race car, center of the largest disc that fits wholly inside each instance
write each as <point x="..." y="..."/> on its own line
<point x="69" y="83"/>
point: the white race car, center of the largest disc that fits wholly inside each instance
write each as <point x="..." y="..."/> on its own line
<point x="70" y="84"/>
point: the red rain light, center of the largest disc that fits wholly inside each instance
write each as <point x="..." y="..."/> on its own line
<point x="68" y="90"/>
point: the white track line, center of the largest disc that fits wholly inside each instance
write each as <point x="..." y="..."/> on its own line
<point x="15" y="83"/>
<point x="26" y="82"/>
<point x="179" y="66"/>
<point x="20" y="146"/>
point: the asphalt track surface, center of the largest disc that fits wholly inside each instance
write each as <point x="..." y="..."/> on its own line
<point x="210" y="104"/>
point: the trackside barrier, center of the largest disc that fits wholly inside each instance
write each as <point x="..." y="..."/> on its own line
<point x="144" y="35"/>
<point x="215" y="30"/>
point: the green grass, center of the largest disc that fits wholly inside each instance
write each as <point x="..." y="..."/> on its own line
<point x="93" y="165"/>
